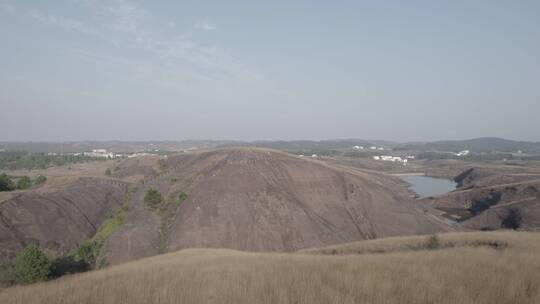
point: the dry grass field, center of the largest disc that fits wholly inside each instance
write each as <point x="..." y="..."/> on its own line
<point x="478" y="267"/>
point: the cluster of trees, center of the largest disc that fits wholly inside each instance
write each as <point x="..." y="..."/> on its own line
<point x="32" y="265"/>
<point x="14" y="160"/>
<point x="153" y="198"/>
<point x="21" y="183"/>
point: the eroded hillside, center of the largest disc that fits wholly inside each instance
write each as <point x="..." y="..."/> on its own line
<point x="263" y="200"/>
<point x="493" y="198"/>
<point x="57" y="220"/>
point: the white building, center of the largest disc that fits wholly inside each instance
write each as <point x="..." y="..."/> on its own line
<point x="463" y="153"/>
<point x="314" y="155"/>
<point x="139" y="154"/>
<point x="358" y="148"/>
<point x="391" y="159"/>
<point x="99" y="153"/>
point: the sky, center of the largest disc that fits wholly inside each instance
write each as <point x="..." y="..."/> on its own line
<point x="269" y="70"/>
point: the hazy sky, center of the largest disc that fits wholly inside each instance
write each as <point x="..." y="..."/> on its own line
<point x="398" y="70"/>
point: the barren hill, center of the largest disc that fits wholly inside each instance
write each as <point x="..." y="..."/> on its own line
<point x="263" y="200"/>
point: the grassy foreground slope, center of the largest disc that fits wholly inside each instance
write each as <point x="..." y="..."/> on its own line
<point x="479" y="267"/>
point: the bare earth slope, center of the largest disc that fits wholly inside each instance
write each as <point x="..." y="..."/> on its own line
<point x="262" y="200"/>
<point x="490" y="199"/>
<point x="57" y="220"/>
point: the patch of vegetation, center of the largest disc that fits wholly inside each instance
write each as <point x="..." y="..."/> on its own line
<point x="7" y="276"/>
<point x="433" y="242"/>
<point x="108" y="172"/>
<point x="6" y="184"/>
<point x="153" y="198"/>
<point x="182" y="196"/>
<point x="19" y="183"/>
<point x="24" y="183"/>
<point x="86" y="252"/>
<point x="479" y="205"/>
<point x="360" y="154"/>
<point x="89" y="251"/>
<point x="471" y="157"/>
<point x="14" y="160"/>
<point x="102" y="263"/>
<point x="31" y="265"/>
<point x="167" y="213"/>
<point x="512" y="219"/>
<point x="40" y="180"/>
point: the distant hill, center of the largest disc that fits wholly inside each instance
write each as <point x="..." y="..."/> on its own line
<point x="113" y="145"/>
<point x="315" y="145"/>
<point x="477" y="145"/>
<point x="136" y="146"/>
<point x="260" y="200"/>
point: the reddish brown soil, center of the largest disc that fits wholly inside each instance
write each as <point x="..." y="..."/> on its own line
<point x="260" y="200"/>
<point x="504" y="189"/>
<point x="57" y="220"/>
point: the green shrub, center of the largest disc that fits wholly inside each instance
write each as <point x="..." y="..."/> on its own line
<point x="31" y="265"/>
<point x="7" y="276"/>
<point x="6" y="184"/>
<point x="110" y="225"/>
<point x="86" y="252"/>
<point x="40" y="180"/>
<point x="24" y="183"/>
<point x="153" y="198"/>
<point x="182" y="196"/>
<point x="433" y="242"/>
<point x="108" y="172"/>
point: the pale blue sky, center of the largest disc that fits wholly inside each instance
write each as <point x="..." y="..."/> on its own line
<point x="396" y="70"/>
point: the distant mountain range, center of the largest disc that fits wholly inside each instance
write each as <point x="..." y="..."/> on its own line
<point x="476" y="145"/>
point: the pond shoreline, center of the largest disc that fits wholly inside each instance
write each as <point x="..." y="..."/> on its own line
<point x="409" y="174"/>
<point x="425" y="186"/>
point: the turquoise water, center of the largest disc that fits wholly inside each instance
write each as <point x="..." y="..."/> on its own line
<point x="429" y="186"/>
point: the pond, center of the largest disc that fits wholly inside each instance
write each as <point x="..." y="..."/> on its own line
<point x="429" y="186"/>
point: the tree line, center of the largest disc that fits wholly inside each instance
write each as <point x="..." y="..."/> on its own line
<point x="14" y="160"/>
<point x="19" y="183"/>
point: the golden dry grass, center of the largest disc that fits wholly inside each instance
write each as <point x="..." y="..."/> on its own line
<point x="464" y="273"/>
